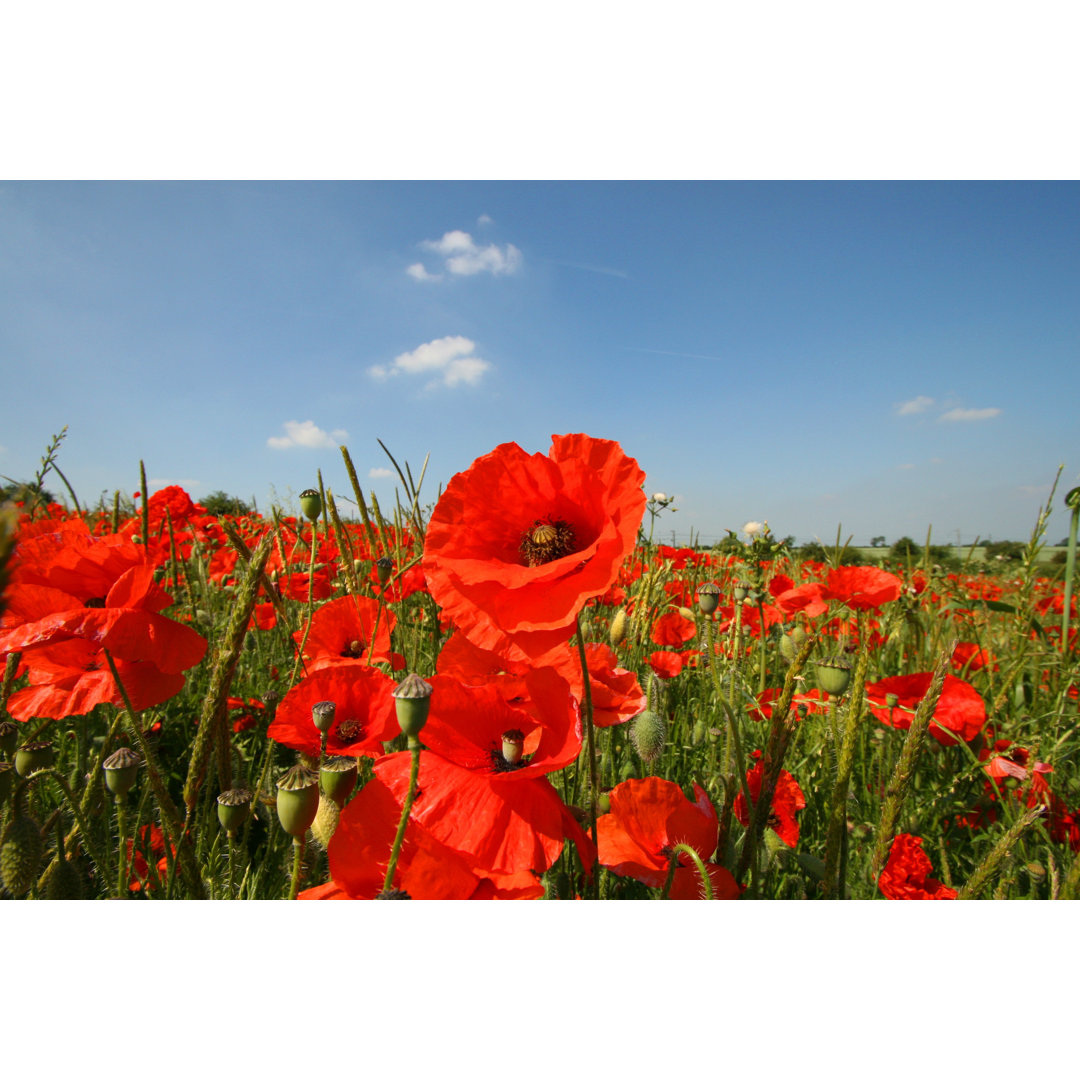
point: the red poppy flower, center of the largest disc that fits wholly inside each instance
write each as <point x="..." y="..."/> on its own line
<point x="359" y="854"/>
<point x="518" y="543"/>
<point x="788" y="800"/>
<point x="70" y="678"/>
<point x="907" y="873"/>
<point x="673" y="629"/>
<point x="502" y="814"/>
<point x="341" y="631"/>
<point x="961" y="710"/>
<point x="969" y="655"/>
<point x="816" y="701"/>
<point x="665" y="665"/>
<point x="647" y="819"/>
<point x="363" y="720"/>
<point x="862" y="588"/>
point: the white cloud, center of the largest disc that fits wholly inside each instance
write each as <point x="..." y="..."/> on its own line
<point x="915" y="405"/>
<point x="909" y="466"/>
<point x="418" y="273"/>
<point x="484" y="219"/>
<point x="379" y="474"/>
<point x="305" y="434"/>
<point x="970" y="414"/>
<point x="464" y="257"/>
<point x="451" y="357"/>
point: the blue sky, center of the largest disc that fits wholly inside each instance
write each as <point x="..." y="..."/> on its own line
<point x="881" y="356"/>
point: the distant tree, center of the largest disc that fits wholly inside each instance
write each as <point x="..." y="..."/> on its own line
<point x="16" y="491"/>
<point x="1008" y="550"/>
<point x="905" y="548"/>
<point x="730" y="545"/>
<point x="219" y="502"/>
<point x="877" y="541"/>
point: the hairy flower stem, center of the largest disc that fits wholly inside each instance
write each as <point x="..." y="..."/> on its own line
<point x="298" y="845"/>
<point x="310" y="605"/>
<point x="590" y="747"/>
<point x="121" y="854"/>
<point x="406" y="809"/>
<point x="905" y="767"/>
<point x="1072" y="499"/>
<point x="706" y="881"/>
<point x="833" y="882"/>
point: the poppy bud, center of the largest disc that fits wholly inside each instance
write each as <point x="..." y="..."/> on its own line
<point x="337" y="778"/>
<point x="32" y="756"/>
<point x="65" y="881"/>
<point x="121" y="770"/>
<point x="298" y="800"/>
<point x="603" y="803"/>
<point x="833" y="675"/>
<point x="9" y="734"/>
<point x="20" y="855"/>
<point x="617" y="630"/>
<point x="513" y="745"/>
<point x="322" y="715"/>
<point x="648" y="733"/>
<point x="700" y="731"/>
<point x="412" y="702"/>
<point x="383" y="569"/>
<point x="1072" y="498"/>
<point x="708" y="598"/>
<point x="326" y="821"/>
<point x="232" y="809"/>
<point x="311" y="504"/>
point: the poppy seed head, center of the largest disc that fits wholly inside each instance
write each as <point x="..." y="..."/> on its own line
<point x="546" y="541"/>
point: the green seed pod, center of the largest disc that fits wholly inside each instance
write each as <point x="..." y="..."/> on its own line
<point x="298" y="800"/>
<point x="648" y="733"/>
<point x="617" y="630"/>
<point x="337" y="778"/>
<point x="833" y="675"/>
<point x="708" y="598"/>
<point x="20" y="854"/>
<point x="310" y="504"/>
<point x="64" y="881"/>
<point x="412" y="701"/>
<point x="9" y="735"/>
<point x="513" y="746"/>
<point x="32" y="756"/>
<point x="121" y="770"/>
<point x="233" y="807"/>
<point x="741" y="590"/>
<point x="603" y="803"/>
<point x="892" y="700"/>
<point x="384" y="567"/>
<point x="322" y="715"/>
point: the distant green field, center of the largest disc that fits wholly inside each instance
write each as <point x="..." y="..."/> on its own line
<point x="964" y="554"/>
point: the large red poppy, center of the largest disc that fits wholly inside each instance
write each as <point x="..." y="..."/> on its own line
<point x="359" y="854"/>
<point x="342" y="629"/>
<point x="907" y="873"/>
<point x="363" y="720"/>
<point x="504" y="817"/>
<point x="960" y="711"/>
<point x="647" y="819"/>
<point x="519" y="542"/>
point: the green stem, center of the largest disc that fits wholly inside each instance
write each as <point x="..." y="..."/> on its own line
<point x="706" y="881"/>
<point x="1071" y="499"/>
<point x="406" y="809"/>
<point x="121" y="828"/>
<point x="590" y="747"/>
<point x="299" y="843"/>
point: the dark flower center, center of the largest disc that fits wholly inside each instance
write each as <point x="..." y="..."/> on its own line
<point x="95" y="602"/>
<point x="353" y="649"/>
<point x="546" y="541"/>
<point x="350" y="730"/>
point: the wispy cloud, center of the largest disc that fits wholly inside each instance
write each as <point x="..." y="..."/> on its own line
<point x="306" y="434"/>
<point x="418" y="273"/>
<point x="609" y="271"/>
<point x="484" y="219"/>
<point x="379" y="474"/>
<point x="970" y="414"/>
<point x="463" y="257"/>
<point x="450" y="357"/>
<point x="909" y="465"/>
<point x="915" y="405"/>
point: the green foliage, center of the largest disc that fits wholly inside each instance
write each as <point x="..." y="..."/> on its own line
<point x="28" y="493"/>
<point x="905" y="548"/>
<point x="220" y="502"/>
<point x="1005" y="550"/>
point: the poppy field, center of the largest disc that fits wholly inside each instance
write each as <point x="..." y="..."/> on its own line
<point x="512" y="692"/>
